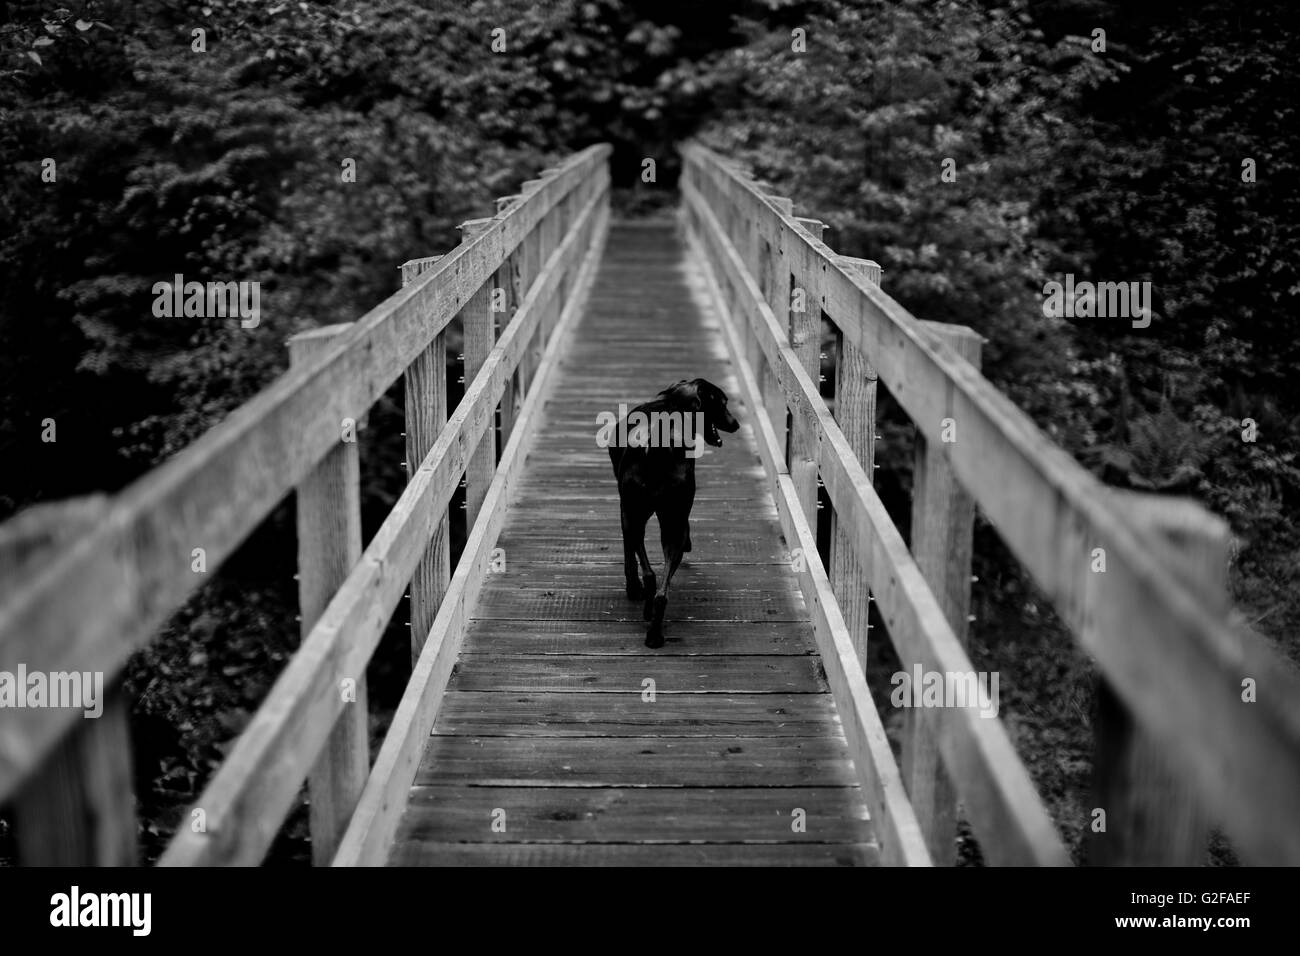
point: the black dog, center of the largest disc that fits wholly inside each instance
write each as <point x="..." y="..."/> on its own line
<point x="655" y="468"/>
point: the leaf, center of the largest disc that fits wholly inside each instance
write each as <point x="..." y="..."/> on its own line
<point x="36" y="57"/>
<point x="42" y="41"/>
<point x="84" y="25"/>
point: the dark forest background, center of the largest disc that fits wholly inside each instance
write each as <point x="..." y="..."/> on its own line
<point x="1124" y="163"/>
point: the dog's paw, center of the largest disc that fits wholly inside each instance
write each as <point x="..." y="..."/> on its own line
<point x="655" y="636"/>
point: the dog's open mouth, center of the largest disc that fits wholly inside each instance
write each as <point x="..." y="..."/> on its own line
<point x="711" y="435"/>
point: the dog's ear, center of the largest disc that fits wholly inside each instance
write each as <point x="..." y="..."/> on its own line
<point x="684" y="395"/>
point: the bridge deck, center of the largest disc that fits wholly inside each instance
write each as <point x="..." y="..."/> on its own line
<point x="544" y="731"/>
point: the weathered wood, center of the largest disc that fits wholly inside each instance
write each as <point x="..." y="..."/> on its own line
<point x="752" y="674"/>
<point x="479" y="325"/>
<point x="708" y="638"/>
<point x="995" y="788"/>
<point x="426" y="415"/>
<point x="596" y="704"/>
<point x="78" y="809"/>
<point x="107" y="592"/>
<point x="1153" y="815"/>
<point x="943" y="519"/>
<point x="855" y="413"/>
<point x="558" y="714"/>
<point x="621" y="815"/>
<point x="329" y="546"/>
<point x="899" y="835"/>
<point x="375" y="822"/>
<point x="250" y="794"/>
<point x="805" y="328"/>
<point x="637" y="761"/>
<point x="1245" y="759"/>
<point x="636" y="854"/>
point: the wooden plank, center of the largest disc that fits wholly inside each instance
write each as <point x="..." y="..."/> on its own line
<point x="685" y="606"/>
<point x="451" y="814"/>
<point x="1052" y="513"/>
<point x="634" y="854"/>
<point x="855" y="412"/>
<point x="637" y="762"/>
<point x="78" y="809"/>
<point x="753" y="674"/>
<point x="897" y="830"/>
<point x="328" y="508"/>
<point x="605" y="637"/>
<point x="805" y="329"/>
<point x="106" y="594"/>
<point x="478" y="324"/>
<point x="551" y="714"/>
<point x="1153" y="815"/>
<point x="426" y="415"/>
<point x="250" y="794"/>
<point x="1001" y="802"/>
<point x="375" y="822"/>
<point x="943" y="522"/>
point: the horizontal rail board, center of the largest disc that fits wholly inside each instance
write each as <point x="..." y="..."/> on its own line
<point x="104" y="596"/>
<point x="370" y="834"/>
<point x="1005" y="810"/>
<point x="247" y="800"/>
<point x="1174" y="661"/>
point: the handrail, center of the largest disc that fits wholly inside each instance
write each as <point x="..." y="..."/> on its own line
<point x="1163" y="646"/>
<point x="99" y="596"/>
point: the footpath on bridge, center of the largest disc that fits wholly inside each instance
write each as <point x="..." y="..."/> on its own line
<point x="549" y="746"/>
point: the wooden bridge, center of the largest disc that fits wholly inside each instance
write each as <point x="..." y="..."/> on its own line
<point x="536" y="727"/>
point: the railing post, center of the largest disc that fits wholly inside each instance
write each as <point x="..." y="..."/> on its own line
<point x="329" y="546"/>
<point x="508" y="279"/>
<point x="477" y="324"/>
<point x="855" y="413"/>
<point x="426" y="415"/>
<point x="78" y="808"/>
<point x="1153" y="816"/>
<point x="804" y="328"/>
<point x="773" y="277"/>
<point x="943" y="516"/>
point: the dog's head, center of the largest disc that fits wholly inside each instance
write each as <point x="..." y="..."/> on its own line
<point x="701" y="395"/>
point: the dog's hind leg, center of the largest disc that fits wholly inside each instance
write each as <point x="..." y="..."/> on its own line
<point x="633" y="539"/>
<point x="634" y="556"/>
<point x="673" y="535"/>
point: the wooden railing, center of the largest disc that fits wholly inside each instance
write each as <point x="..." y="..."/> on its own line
<point x="1181" y="739"/>
<point x="87" y="583"/>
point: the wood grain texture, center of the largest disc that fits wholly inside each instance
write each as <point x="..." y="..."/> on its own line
<point x="426" y="414"/>
<point x="328" y="509"/>
<point x="106" y="594"/>
<point x="943" y="522"/>
<point x="247" y="799"/>
<point x="378" y="815"/>
<point x="548" y="708"/>
<point x="1051" y="513"/>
